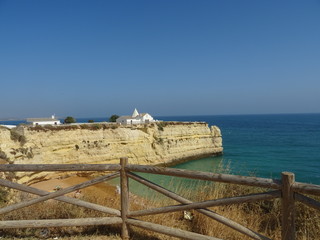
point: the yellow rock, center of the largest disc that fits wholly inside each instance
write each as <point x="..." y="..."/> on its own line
<point x="162" y="143"/>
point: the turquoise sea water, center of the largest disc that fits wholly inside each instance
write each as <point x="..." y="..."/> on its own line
<point x="266" y="145"/>
<point x="260" y="145"/>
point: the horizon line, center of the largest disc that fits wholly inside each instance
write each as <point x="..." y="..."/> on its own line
<point x="196" y="115"/>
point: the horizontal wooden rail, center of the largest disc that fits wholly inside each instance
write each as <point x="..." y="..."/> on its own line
<point x="58" y="167"/>
<point x="308" y="201"/>
<point x="169" y="231"/>
<point x="209" y="203"/>
<point x="60" y="222"/>
<point x="66" y="199"/>
<point x="226" y="178"/>
<point x="306" y="188"/>
<point x="287" y="189"/>
<point x="236" y="226"/>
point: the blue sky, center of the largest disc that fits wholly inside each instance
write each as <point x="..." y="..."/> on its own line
<point x="168" y="57"/>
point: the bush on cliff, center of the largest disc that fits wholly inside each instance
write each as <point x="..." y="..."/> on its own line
<point x="70" y="120"/>
<point x="16" y="134"/>
<point x="113" y="118"/>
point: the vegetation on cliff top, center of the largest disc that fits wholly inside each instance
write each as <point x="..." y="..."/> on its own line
<point x="70" y="120"/>
<point x="17" y="134"/>
<point x="105" y="125"/>
<point x="89" y="126"/>
<point x="113" y="118"/>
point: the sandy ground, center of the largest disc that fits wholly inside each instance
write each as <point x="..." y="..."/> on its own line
<point x="104" y="192"/>
<point x="100" y="190"/>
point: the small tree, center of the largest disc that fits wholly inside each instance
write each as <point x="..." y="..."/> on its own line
<point x="113" y="118"/>
<point x="70" y="120"/>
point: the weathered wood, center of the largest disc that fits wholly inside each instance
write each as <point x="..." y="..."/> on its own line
<point x="56" y="194"/>
<point x="226" y="178"/>
<point x="308" y="201"/>
<point x="306" y="188"/>
<point x="288" y="187"/>
<point x="60" y="222"/>
<point x="209" y="203"/>
<point x="66" y="199"/>
<point x="236" y="226"/>
<point x="288" y="208"/>
<point x="170" y="231"/>
<point x="124" y="182"/>
<point x="58" y="167"/>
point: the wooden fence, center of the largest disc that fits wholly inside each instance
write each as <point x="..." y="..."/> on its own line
<point x="286" y="189"/>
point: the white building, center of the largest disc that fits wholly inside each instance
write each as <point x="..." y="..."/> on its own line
<point x="136" y="118"/>
<point x="9" y="126"/>
<point x="44" y="121"/>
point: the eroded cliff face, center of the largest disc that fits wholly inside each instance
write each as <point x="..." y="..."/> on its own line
<point x="163" y="143"/>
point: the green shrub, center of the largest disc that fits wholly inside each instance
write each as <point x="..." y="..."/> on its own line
<point x="113" y="118"/>
<point x="161" y="125"/>
<point x="70" y="120"/>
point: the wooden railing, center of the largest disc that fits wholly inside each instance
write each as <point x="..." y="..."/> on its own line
<point x="287" y="190"/>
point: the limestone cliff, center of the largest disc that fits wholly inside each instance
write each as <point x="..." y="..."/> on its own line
<point x="162" y="143"/>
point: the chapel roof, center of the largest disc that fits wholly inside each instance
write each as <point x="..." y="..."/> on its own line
<point x="135" y="113"/>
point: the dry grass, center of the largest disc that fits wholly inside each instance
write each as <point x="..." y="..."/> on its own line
<point x="263" y="217"/>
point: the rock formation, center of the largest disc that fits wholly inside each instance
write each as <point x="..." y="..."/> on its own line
<point x="161" y="143"/>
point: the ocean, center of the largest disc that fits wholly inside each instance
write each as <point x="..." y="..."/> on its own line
<point x="265" y="145"/>
<point x="258" y="145"/>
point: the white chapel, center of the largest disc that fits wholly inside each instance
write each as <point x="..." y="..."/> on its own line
<point x="136" y="118"/>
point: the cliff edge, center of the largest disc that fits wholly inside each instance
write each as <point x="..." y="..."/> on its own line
<point x="161" y="143"/>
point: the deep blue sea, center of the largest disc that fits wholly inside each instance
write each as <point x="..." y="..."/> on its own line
<point x="260" y="145"/>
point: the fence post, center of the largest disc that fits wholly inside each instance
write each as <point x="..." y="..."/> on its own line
<point x="124" y="198"/>
<point x="288" y="208"/>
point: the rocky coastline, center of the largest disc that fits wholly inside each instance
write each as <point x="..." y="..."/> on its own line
<point x="161" y="143"/>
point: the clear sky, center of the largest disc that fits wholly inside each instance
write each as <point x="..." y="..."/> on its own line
<point x="165" y="57"/>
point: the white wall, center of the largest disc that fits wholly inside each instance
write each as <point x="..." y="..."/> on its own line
<point x="9" y="126"/>
<point x="146" y="118"/>
<point x="46" y="123"/>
